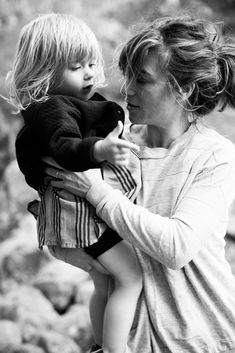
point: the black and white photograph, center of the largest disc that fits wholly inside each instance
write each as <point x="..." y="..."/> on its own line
<point x="117" y="176"/>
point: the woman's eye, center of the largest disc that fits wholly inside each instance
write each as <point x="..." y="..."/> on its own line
<point x="140" y="80"/>
<point x="92" y="64"/>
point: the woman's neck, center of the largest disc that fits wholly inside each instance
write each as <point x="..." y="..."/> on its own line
<point x="155" y="136"/>
<point x="163" y="137"/>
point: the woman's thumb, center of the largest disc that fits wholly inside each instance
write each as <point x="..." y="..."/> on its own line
<point x="117" y="130"/>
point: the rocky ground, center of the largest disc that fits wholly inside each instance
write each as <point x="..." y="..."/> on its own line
<point x="43" y="301"/>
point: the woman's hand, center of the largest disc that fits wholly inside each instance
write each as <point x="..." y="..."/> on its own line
<point x="77" y="257"/>
<point x="76" y="183"/>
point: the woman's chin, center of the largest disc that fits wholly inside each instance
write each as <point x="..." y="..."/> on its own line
<point x="134" y="119"/>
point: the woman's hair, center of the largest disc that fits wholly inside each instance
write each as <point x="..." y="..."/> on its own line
<point x="197" y="61"/>
<point x="47" y="44"/>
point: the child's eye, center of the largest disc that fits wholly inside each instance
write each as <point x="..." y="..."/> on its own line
<point x="75" y="67"/>
<point x="92" y="64"/>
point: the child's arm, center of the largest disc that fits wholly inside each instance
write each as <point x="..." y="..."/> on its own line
<point x="113" y="149"/>
<point x="60" y="135"/>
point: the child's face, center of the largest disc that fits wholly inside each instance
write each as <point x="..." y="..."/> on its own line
<point x="77" y="79"/>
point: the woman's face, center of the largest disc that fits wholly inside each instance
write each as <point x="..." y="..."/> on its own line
<point x="149" y="100"/>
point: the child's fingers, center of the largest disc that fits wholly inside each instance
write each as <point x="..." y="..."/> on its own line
<point x="117" y="130"/>
<point x="122" y="159"/>
<point x="129" y="145"/>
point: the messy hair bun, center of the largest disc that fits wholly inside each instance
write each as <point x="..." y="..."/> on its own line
<point x="195" y="57"/>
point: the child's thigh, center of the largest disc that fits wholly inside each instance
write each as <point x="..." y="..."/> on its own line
<point x="101" y="281"/>
<point x="77" y="257"/>
<point x="73" y="256"/>
<point x="121" y="262"/>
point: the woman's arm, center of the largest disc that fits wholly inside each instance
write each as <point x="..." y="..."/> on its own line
<point x="174" y="240"/>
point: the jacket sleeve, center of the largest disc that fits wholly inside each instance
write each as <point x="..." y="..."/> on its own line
<point x="28" y="157"/>
<point x="175" y="240"/>
<point x="61" y="136"/>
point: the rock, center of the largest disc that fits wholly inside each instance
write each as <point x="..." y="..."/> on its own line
<point x="58" y="281"/>
<point x="54" y="342"/>
<point x="18" y="192"/>
<point x="84" y="292"/>
<point x="14" y="195"/>
<point x="7" y="309"/>
<point x="25" y="348"/>
<point x="10" y="335"/>
<point x="30" y="306"/>
<point x="31" y="333"/>
<point x="76" y="323"/>
<point x="20" y="258"/>
<point x="60" y="295"/>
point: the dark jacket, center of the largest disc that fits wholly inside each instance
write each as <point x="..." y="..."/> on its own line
<point x="65" y="128"/>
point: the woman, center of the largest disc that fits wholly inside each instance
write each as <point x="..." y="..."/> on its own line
<point x="176" y="71"/>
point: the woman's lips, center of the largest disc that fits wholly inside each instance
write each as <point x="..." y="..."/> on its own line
<point x="132" y="106"/>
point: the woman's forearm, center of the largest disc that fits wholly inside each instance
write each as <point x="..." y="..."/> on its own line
<point x="162" y="238"/>
<point x="174" y="241"/>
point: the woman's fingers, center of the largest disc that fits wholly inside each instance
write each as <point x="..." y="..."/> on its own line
<point x="54" y="173"/>
<point x="51" y="171"/>
<point x="57" y="184"/>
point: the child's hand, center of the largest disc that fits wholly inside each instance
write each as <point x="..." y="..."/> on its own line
<point x="114" y="149"/>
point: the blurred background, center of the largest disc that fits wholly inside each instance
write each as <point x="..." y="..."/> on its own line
<point x="43" y="302"/>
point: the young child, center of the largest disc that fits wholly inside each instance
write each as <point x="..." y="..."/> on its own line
<point x="57" y="67"/>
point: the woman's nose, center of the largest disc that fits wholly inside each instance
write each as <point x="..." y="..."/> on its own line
<point x="130" y="89"/>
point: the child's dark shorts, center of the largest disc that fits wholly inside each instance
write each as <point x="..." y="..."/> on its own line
<point x="106" y="241"/>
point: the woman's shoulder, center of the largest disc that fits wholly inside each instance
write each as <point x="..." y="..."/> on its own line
<point x="211" y="142"/>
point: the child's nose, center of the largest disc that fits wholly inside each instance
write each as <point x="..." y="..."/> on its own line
<point x="89" y="73"/>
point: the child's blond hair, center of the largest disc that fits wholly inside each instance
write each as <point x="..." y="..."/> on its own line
<point x="46" y="44"/>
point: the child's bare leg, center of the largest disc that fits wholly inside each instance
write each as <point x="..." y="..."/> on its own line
<point x="99" y="297"/>
<point x="123" y="265"/>
<point x="76" y="257"/>
<point x="98" y="303"/>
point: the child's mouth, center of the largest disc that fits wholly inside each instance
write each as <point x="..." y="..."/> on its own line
<point x="88" y="88"/>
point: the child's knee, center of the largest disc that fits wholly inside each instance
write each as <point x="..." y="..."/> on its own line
<point x="101" y="282"/>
